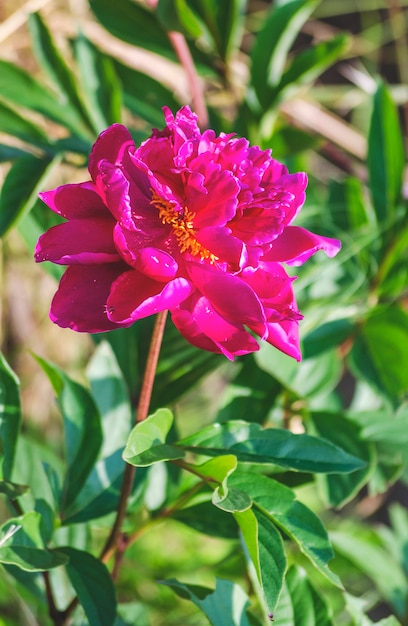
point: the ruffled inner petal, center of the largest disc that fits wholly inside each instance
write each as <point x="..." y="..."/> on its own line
<point x="111" y="145"/>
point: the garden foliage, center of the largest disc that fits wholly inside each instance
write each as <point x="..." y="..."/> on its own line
<point x="252" y="477"/>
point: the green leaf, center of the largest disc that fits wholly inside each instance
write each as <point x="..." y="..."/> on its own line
<point x="25" y="547"/>
<point x="385" y="156"/>
<point x="226" y="605"/>
<point x="19" y="87"/>
<point x="111" y="397"/>
<point x="146" y="444"/>
<point x="83" y="432"/>
<point x="326" y="337"/>
<point x="265" y="548"/>
<point x="314" y="376"/>
<point x="100" y="84"/>
<point x="11" y="490"/>
<point x="207" y="520"/>
<point x="309" y="65"/>
<point x="31" y="559"/>
<point x="20" y="188"/>
<point x="269" y="54"/>
<point x="54" y="64"/>
<point x="10" y="417"/>
<point x="301" y="604"/>
<point x="388" y="429"/>
<point x="16" y="125"/>
<point x="339" y="488"/>
<point x="251" y="444"/>
<point x="93" y="585"/>
<point x="379" y="355"/>
<point x="298" y="522"/>
<point x="134" y="24"/>
<point x="363" y="547"/>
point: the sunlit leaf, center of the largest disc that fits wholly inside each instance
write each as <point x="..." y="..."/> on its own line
<point x="10" y="417"/>
<point x="251" y="444"/>
<point x="146" y="444"/>
<point x="385" y="155"/>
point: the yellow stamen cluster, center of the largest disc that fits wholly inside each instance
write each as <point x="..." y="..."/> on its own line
<point x="183" y="228"/>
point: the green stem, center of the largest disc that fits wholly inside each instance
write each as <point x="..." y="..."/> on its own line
<point x="141" y="414"/>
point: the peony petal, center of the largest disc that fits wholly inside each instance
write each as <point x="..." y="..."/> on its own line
<point x="80" y="302"/>
<point x="230" y="296"/>
<point x="134" y="296"/>
<point x="220" y="242"/>
<point x="86" y="241"/>
<point x="202" y="326"/>
<point x="111" y="146"/>
<point x="295" y="245"/>
<point x="75" y="201"/>
<point x="285" y="336"/>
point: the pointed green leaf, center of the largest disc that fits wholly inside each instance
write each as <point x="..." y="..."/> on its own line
<point x="269" y="54"/>
<point x="25" y="548"/>
<point x="93" y="585"/>
<point x="340" y="488"/>
<point x="309" y="65"/>
<point x="251" y="444"/>
<point x="54" y="64"/>
<point x="20" y="88"/>
<point x="385" y="156"/>
<point x="112" y="398"/>
<point x="23" y="182"/>
<point x="99" y="83"/>
<point x="265" y="548"/>
<point x="10" y="417"/>
<point x="326" y="337"/>
<point x="120" y="19"/>
<point x="226" y="605"/>
<point x="146" y="444"/>
<point x="279" y="504"/>
<point x="379" y="354"/>
<point x="16" y="125"/>
<point x="82" y="428"/>
<point x="307" y="605"/>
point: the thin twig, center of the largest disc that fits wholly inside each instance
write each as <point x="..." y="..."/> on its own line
<point x="179" y="43"/>
<point x="141" y="414"/>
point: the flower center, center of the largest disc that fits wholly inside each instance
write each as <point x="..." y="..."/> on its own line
<point x="183" y="229"/>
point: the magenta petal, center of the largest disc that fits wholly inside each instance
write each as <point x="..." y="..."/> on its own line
<point x="220" y="242"/>
<point x="85" y="241"/>
<point x="75" y="201"/>
<point x="202" y="326"/>
<point x="80" y="302"/>
<point x="285" y="336"/>
<point x="295" y="245"/>
<point x="134" y="296"/>
<point x="111" y="146"/>
<point x="156" y="264"/>
<point x="230" y="296"/>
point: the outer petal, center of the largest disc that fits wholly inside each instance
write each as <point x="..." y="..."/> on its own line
<point x="85" y="241"/>
<point x="134" y="296"/>
<point x="80" y="302"/>
<point x="111" y="146"/>
<point x="202" y="326"/>
<point x="285" y="336"/>
<point x="295" y="245"/>
<point x="75" y="201"/>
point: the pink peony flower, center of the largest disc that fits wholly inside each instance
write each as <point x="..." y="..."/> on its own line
<point x="190" y="222"/>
